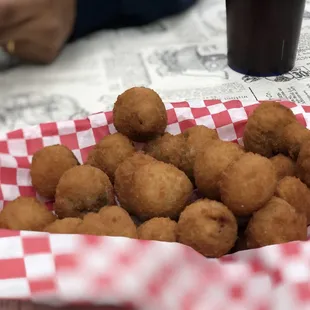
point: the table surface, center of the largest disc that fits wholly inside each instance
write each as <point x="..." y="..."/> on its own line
<point x="183" y="58"/>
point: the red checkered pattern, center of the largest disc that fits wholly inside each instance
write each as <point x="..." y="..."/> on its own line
<point x="65" y="269"/>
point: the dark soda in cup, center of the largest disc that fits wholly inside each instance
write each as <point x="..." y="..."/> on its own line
<point x="263" y="35"/>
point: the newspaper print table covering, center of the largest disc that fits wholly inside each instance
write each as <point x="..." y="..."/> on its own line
<point x="62" y="269"/>
<point x="182" y="58"/>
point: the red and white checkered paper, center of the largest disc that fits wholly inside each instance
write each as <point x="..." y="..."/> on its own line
<point x="147" y="275"/>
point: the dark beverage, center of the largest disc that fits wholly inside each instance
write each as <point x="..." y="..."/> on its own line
<point x="263" y="35"/>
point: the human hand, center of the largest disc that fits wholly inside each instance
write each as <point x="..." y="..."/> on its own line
<point x="38" y="28"/>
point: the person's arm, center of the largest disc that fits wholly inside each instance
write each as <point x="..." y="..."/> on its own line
<point x="36" y="30"/>
<point x="98" y="14"/>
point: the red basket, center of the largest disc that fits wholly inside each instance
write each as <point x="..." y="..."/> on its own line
<point x="148" y="275"/>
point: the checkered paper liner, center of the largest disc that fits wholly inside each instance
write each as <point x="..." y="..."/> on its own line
<point x="148" y="275"/>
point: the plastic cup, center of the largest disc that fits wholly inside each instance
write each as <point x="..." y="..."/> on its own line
<point x="263" y="35"/>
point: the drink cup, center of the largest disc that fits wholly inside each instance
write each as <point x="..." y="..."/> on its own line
<point x="263" y="35"/>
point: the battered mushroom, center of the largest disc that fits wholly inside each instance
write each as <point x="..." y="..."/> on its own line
<point x="47" y="167"/>
<point x="110" y="152"/>
<point x="168" y="148"/>
<point x="264" y="129"/>
<point x="198" y="138"/>
<point x="83" y="189"/>
<point x="293" y="137"/>
<point x="296" y="193"/>
<point x="65" y="226"/>
<point x="140" y="114"/>
<point x="25" y="213"/>
<point x="303" y="163"/>
<point x="160" y="229"/>
<point x="277" y="222"/>
<point x="109" y="221"/>
<point x="124" y="174"/>
<point x="284" y="166"/>
<point x="211" y="163"/>
<point x="247" y="184"/>
<point x="209" y="227"/>
<point x="158" y="190"/>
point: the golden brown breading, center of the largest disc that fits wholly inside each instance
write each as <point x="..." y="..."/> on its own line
<point x="158" y="190"/>
<point x="303" y="163"/>
<point x="263" y="131"/>
<point x="83" y="189"/>
<point x="110" y="152"/>
<point x="283" y="165"/>
<point x="109" y="221"/>
<point x="293" y="136"/>
<point x="158" y="228"/>
<point x="68" y="225"/>
<point x="124" y="174"/>
<point x="140" y="114"/>
<point x="247" y="184"/>
<point x="198" y="138"/>
<point x="296" y="193"/>
<point x="25" y="213"/>
<point x="277" y="222"/>
<point x="209" y="227"/>
<point x="211" y="163"/>
<point x="47" y="167"/>
<point x="168" y="149"/>
<point x="200" y="134"/>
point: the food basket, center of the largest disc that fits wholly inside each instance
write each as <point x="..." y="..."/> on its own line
<point x="148" y="275"/>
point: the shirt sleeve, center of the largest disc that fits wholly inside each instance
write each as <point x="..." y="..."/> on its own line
<point x="93" y="15"/>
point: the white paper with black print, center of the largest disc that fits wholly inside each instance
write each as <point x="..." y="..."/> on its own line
<point x="182" y="58"/>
